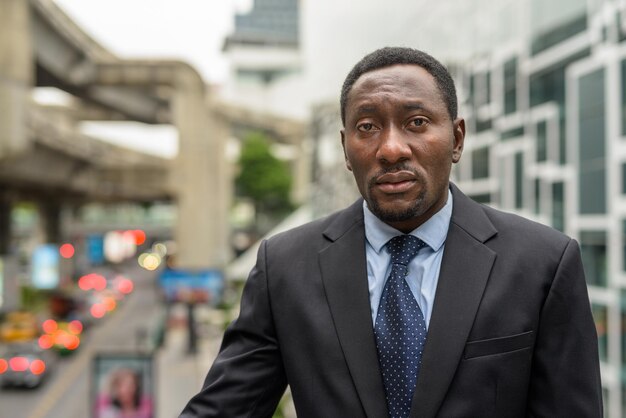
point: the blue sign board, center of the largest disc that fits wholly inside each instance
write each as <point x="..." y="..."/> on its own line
<point x="45" y="267"/>
<point x="95" y="249"/>
<point x="203" y="286"/>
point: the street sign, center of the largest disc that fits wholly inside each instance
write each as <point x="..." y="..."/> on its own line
<point x="45" y="266"/>
<point x="200" y="286"/>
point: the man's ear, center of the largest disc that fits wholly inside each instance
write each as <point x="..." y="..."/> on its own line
<point x="343" y="145"/>
<point x="459" y="139"/>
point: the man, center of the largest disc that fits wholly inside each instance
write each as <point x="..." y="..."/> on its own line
<point x="469" y="312"/>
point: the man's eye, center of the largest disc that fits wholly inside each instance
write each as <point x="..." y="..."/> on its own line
<point x="365" y="127"/>
<point x="418" y="122"/>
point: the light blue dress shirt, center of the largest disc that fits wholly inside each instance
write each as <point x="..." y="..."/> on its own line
<point x="423" y="269"/>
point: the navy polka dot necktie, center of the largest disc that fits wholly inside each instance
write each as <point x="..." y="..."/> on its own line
<point x="400" y="329"/>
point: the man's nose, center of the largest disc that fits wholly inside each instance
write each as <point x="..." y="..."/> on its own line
<point x="393" y="146"/>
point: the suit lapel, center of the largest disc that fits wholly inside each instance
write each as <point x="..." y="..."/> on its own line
<point x="465" y="268"/>
<point x="344" y="274"/>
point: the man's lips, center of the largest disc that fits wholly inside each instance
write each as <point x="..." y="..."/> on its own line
<point x="397" y="182"/>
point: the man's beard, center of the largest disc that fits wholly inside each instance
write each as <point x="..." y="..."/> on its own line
<point x="391" y="215"/>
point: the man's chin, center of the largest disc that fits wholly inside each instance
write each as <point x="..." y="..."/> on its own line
<point x="394" y="213"/>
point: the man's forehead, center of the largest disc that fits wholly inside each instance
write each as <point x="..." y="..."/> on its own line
<point x="410" y="85"/>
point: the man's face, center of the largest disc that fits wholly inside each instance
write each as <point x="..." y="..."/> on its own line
<point x="399" y="141"/>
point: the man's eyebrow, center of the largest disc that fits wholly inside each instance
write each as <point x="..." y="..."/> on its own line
<point x="365" y="109"/>
<point x="414" y="106"/>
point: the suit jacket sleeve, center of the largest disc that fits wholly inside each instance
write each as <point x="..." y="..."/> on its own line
<point x="247" y="378"/>
<point x="565" y="379"/>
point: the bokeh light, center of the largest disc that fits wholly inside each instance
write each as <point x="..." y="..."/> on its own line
<point x="37" y="366"/>
<point x="151" y="262"/>
<point x="97" y="310"/>
<point x="125" y="285"/>
<point x="49" y="326"/>
<point x="3" y="365"/>
<point x="18" y="364"/>
<point x="140" y="236"/>
<point x="109" y="303"/>
<point x="75" y="327"/>
<point x="46" y="341"/>
<point x="67" y="250"/>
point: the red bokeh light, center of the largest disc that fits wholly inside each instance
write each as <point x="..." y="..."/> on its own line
<point x="92" y="281"/>
<point x="18" y="364"/>
<point x="49" y="326"/>
<point x="125" y="285"/>
<point x="75" y="327"/>
<point x="72" y="342"/>
<point x="67" y="251"/>
<point x="37" y="366"/>
<point x="97" y="310"/>
<point x="3" y="365"/>
<point x="46" y="341"/>
<point x="140" y="236"/>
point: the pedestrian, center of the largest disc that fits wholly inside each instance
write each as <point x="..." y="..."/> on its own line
<point x="414" y="301"/>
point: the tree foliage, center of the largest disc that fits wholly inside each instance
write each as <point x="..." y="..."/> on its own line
<point x="263" y="178"/>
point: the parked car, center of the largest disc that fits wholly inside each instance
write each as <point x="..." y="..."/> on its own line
<point x="19" y="326"/>
<point x="24" y="365"/>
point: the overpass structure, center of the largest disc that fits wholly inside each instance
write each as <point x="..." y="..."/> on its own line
<point x="45" y="157"/>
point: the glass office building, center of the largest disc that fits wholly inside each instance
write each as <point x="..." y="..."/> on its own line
<point x="547" y="139"/>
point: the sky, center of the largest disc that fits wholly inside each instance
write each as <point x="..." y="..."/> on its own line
<point x="189" y="30"/>
<point x="192" y="30"/>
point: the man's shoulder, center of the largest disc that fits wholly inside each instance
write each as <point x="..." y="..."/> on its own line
<point x="312" y="233"/>
<point x="523" y="228"/>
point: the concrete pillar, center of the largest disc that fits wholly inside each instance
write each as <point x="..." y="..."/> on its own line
<point x="198" y="178"/>
<point x="5" y="225"/>
<point x="17" y="69"/>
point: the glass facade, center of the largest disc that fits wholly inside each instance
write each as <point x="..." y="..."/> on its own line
<point x="592" y="149"/>
<point x="542" y="142"/>
<point x="510" y="86"/>
<point x="480" y="163"/>
<point x="600" y="318"/>
<point x="594" y="253"/>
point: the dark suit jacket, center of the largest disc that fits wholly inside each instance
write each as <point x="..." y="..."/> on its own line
<point x="511" y="333"/>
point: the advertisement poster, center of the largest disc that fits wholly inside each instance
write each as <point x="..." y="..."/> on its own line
<point x="122" y="386"/>
<point x="187" y="286"/>
<point x="45" y="266"/>
<point x="95" y="249"/>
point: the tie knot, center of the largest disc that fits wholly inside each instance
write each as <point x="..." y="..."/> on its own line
<point x="404" y="248"/>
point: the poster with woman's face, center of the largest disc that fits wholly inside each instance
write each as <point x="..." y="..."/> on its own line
<point x="123" y="386"/>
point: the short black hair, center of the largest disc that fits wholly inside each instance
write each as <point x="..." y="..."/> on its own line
<point x="388" y="56"/>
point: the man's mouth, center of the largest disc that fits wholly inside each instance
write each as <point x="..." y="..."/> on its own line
<point x="396" y="182"/>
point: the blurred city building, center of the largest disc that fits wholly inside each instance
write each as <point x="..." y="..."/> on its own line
<point x="46" y="158"/>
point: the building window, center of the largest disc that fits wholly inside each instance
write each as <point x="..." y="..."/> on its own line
<point x="482" y="88"/>
<point x="510" y="86"/>
<point x="512" y="133"/>
<point x="624" y="246"/>
<point x="537" y="184"/>
<point x="592" y="144"/>
<point x="558" y="208"/>
<point x="483" y="125"/>
<point x="599" y="317"/>
<point x="623" y="109"/>
<point x="542" y="141"/>
<point x="519" y="180"/>
<point x="594" y="253"/>
<point x="482" y="198"/>
<point x="558" y="34"/>
<point x="480" y="163"/>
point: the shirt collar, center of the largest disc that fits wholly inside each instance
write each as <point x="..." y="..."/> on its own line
<point x="433" y="232"/>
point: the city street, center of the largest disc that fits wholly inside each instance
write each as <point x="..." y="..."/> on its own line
<point x="131" y="328"/>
